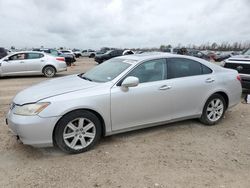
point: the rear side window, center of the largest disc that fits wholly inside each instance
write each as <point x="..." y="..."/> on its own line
<point x="181" y="67"/>
<point x="34" y="55"/>
<point x="206" y="70"/>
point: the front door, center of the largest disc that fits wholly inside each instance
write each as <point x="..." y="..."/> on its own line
<point x="14" y="65"/>
<point x="147" y="103"/>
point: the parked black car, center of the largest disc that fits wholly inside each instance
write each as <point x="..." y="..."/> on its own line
<point x="99" y="58"/>
<point x="69" y="59"/>
<point x="3" y="52"/>
<point x="198" y="53"/>
<point x="241" y="63"/>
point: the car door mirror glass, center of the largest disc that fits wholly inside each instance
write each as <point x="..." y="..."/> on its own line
<point x="130" y="81"/>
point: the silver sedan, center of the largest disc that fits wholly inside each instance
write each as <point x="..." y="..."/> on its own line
<point x="31" y="63"/>
<point x="122" y="94"/>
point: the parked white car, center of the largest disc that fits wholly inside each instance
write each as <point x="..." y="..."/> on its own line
<point x="69" y="52"/>
<point x="122" y="94"/>
<point x="31" y="63"/>
<point x="89" y="53"/>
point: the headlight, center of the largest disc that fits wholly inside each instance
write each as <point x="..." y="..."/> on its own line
<point x="30" y="109"/>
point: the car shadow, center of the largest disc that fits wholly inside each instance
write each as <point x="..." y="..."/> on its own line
<point x="31" y="76"/>
<point x="106" y="142"/>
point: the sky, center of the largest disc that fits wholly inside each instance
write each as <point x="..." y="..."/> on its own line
<point x="91" y="24"/>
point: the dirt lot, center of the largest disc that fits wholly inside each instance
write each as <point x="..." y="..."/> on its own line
<point x="184" y="154"/>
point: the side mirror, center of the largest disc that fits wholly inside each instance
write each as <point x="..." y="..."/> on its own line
<point x="6" y="59"/>
<point x="130" y="81"/>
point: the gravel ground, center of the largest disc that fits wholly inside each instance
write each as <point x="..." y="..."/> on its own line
<point x="183" y="154"/>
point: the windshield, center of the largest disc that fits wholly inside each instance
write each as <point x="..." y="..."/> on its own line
<point x="247" y="52"/>
<point x="108" y="51"/>
<point x="106" y="71"/>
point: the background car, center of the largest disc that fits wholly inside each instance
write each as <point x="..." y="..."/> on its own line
<point x="122" y="94"/>
<point x="68" y="52"/>
<point x="198" y="53"/>
<point x="108" y="55"/>
<point x="89" y="53"/>
<point x="31" y="63"/>
<point x="69" y="59"/>
<point x="77" y="53"/>
<point x="241" y="63"/>
<point x="3" y="52"/>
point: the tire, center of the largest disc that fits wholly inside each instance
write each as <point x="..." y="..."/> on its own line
<point x="49" y="71"/>
<point x="213" y="110"/>
<point x="92" y="56"/>
<point x="77" y="132"/>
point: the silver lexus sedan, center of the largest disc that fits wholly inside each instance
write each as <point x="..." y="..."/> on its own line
<point x="122" y="94"/>
<point x="31" y="63"/>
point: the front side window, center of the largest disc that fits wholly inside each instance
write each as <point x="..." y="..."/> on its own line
<point x="106" y="71"/>
<point x="150" y="71"/>
<point x="34" y="56"/>
<point x="181" y="67"/>
<point x="15" y="57"/>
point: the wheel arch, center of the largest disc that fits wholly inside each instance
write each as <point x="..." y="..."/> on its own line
<point x="223" y="94"/>
<point x="86" y="109"/>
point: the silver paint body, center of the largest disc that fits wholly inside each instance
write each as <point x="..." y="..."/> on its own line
<point x="29" y="66"/>
<point x="122" y="109"/>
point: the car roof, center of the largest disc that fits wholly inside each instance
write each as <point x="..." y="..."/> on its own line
<point x="149" y="55"/>
<point x="135" y="58"/>
<point x="13" y="53"/>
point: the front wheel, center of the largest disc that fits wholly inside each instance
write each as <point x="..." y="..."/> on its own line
<point x="77" y="132"/>
<point x="213" y="110"/>
<point x="92" y="56"/>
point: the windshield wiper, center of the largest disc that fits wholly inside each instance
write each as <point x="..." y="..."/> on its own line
<point x="85" y="78"/>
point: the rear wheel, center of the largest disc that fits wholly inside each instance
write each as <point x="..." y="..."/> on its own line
<point x="214" y="110"/>
<point x="49" y="71"/>
<point x="77" y="132"/>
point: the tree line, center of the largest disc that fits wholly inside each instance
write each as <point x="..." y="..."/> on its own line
<point x="224" y="46"/>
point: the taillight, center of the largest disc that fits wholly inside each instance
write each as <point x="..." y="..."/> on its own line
<point x="239" y="78"/>
<point x="60" y="59"/>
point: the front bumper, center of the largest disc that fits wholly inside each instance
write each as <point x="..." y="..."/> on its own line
<point x="32" y="130"/>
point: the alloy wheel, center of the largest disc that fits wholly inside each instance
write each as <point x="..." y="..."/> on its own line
<point x="215" y="110"/>
<point x="79" y="133"/>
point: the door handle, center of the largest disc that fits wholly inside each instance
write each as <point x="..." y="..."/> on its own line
<point x="21" y="61"/>
<point x="209" y="80"/>
<point x="165" y="87"/>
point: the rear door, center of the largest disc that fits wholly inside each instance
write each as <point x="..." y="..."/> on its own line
<point x="34" y="62"/>
<point x="191" y="82"/>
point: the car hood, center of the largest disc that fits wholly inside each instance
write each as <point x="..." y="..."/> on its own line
<point x="52" y="88"/>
